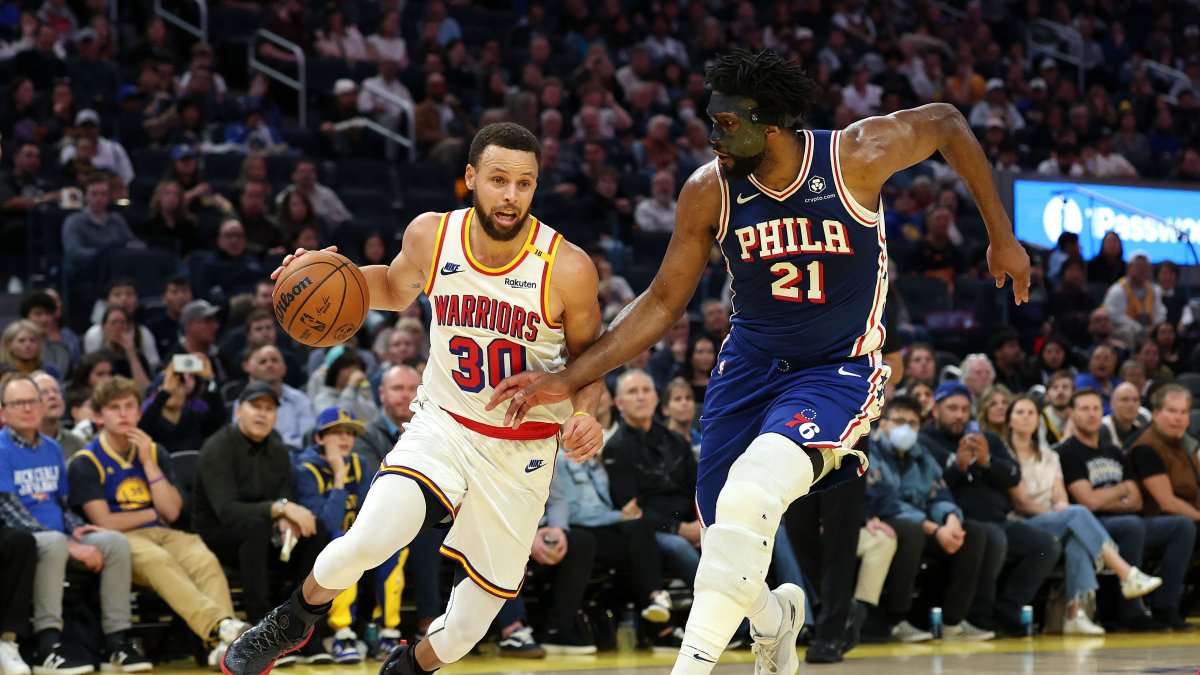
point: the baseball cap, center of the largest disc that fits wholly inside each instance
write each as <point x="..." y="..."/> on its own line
<point x="1037" y="83"/>
<point x="1140" y="253"/>
<point x="994" y="84"/>
<point x="950" y="388"/>
<point x="804" y="33"/>
<point x="182" y="150"/>
<point x="86" y="34"/>
<point x="995" y="122"/>
<point x="128" y="91"/>
<point x="257" y="390"/>
<point x="344" y="86"/>
<point x="87" y="116"/>
<point x="197" y="309"/>
<point x="335" y="416"/>
<point x="1048" y="63"/>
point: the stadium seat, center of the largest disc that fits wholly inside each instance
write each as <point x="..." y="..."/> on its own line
<point x="150" y="163"/>
<point x="1192" y="382"/>
<point x="223" y="167"/>
<point x="358" y="174"/>
<point x="146" y="266"/>
<point x="923" y="295"/>
<point x="650" y="247"/>
<point x="279" y="170"/>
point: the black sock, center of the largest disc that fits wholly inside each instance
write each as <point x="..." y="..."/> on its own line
<point x="47" y="639"/>
<point x="416" y="666"/>
<point x="115" y="641"/>
<point x="298" y="598"/>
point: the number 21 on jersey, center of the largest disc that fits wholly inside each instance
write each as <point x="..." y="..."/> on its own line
<point x="504" y="358"/>
<point x="784" y="288"/>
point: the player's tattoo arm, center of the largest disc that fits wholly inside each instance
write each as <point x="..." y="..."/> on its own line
<point x="395" y="286"/>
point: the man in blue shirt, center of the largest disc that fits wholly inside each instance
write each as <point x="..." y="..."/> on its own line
<point x="33" y="498"/>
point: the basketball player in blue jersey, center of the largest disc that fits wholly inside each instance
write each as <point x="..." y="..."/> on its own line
<point x="798" y="215"/>
<point x="509" y="295"/>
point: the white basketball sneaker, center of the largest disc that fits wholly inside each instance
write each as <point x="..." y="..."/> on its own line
<point x="777" y="655"/>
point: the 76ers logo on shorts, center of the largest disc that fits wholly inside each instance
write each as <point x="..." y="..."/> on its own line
<point x="804" y="421"/>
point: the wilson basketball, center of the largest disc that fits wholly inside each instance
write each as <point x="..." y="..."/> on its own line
<point x="321" y="299"/>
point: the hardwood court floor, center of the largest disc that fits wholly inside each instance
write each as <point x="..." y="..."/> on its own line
<point x="1166" y="653"/>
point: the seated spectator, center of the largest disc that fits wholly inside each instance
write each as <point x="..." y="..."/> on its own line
<point x="992" y="407"/>
<point x="110" y="155"/>
<point x="1134" y="372"/>
<point x="294" y="417"/>
<point x="1100" y="376"/>
<point x="938" y="258"/>
<point x="22" y="190"/>
<point x="1104" y="161"/>
<point x="203" y="59"/>
<point x="1134" y="302"/>
<point x="1166" y="276"/>
<point x="1127" y="419"/>
<point x="164" y="325"/>
<point x="655" y="467"/>
<point x="199" y="326"/>
<point x="861" y="95"/>
<point x="657" y="212"/>
<point x="680" y="412"/>
<point x="18" y="565"/>
<point x="94" y="79"/>
<point x="1098" y="476"/>
<point x="384" y="110"/>
<point x="906" y="490"/>
<point x="624" y="540"/>
<point x="92" y="232"/>
<point x="698" y="364"/>
<point x="1166" y="469"/>
<point x="340" y="40"/>
<point x="1109" y="264"/>
<point x="263" y="236"/>
<point x="396" y="392"/>
<point x="121" y="292"/>
<point x="437" y="138"/>
<point x="1056" y="408"/>
<point x="83" y="418"/>
<point x="996" y="105"/>
<point x="93" y="368"/>
<point x="43" y="61"/>
<point x="123" y="482"/>
<point x="259" y="328"/>
<point x="252" y="132"/>
<point x="243" y="497"/>
<point x="343" y="141"/>
<point x="172" y="224"/>
<point x="1071" y="303"/>
<point x="1063" y="161"/>
<point x="230" y="268"/>
<point x="296" y="213"/>
<point x="21" y="346"/>
<point x="331" y="481"/>
<point x="1067" y="248"/>
<point x="33" y="499"/>
<point x="978" y="374"/>
<point x="1054" y="356"/>
<point x="979" y="475"/>
<point x="289" y="21"/>
<point x="184" y="409"/>
<point x="345" y="384"/>
<point x="124" y="346"/>
<point x="1004" y="349"/>
<point x="1165" y="335"/>
<point x="1041" y="498"/>
<point x="1146" y="354"/>
<point x="920" y="364"/>
<point x="387" y="44"/>
<point x="325" y="203"/>
<point x="54" y="409"/>
<point x="615" y="292"/>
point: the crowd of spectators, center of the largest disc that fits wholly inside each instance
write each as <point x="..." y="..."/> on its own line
<point x="1066" y="437"/>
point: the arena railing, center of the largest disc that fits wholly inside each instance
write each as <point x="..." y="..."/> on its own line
<point x="298" y="83"/>
<point x="198" y="30"/>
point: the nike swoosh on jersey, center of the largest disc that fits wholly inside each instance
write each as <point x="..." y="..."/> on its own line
<point x="842" y="371"/>
<point x="743" y="200"/>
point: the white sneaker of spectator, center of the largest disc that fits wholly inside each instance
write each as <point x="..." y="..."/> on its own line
<point x="965" y="630"/>
<point x="1138" y="583"/>
<point x="227" y="631"/>
<point x="906" y="632"/>
<point x="10" y="659"/>
<point x="1080" y="624"/>
<point x="659" y="609"/>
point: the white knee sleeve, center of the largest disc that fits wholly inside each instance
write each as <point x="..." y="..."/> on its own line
<point x="390" y="518"/>
<point x="762" y="483"/>
<point x="468" y="616"/>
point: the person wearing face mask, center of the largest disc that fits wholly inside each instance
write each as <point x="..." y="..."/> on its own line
<point x="905" y="490"/>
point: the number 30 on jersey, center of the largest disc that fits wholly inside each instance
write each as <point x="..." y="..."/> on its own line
<point x="504" y="358"/>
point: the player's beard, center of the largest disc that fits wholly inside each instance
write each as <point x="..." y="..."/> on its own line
<point x="491" y="229"/>
<point x="741" y="167"/>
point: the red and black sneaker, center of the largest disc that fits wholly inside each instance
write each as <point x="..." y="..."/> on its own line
<point x="283" y="630"/>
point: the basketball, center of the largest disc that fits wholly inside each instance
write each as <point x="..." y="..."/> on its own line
<point x="321" y="299"/>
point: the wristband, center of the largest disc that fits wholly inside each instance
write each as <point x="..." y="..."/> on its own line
<point x="155" y="480"/>
<point x="581" y="413"/>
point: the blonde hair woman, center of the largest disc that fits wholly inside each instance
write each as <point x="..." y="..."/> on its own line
<point x="21" y="346"/>
<point x="992" y="409"/>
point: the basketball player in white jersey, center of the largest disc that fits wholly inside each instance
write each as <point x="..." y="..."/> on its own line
<point x="509" y="295"/>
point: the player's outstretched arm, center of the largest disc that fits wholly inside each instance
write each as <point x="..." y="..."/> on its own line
<point x="644" y="321"/>
<point x="875" y="148"/>
<point x="394" y="287"/>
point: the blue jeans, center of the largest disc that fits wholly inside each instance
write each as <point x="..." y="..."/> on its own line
<point x="680" y="557"/>
<point x="1173" y="535"/>
<point x="1083" y="537"/>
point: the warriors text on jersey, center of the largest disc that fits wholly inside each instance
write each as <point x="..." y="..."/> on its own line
<point x="809" y="264"/>
<point x="489" y="323"/>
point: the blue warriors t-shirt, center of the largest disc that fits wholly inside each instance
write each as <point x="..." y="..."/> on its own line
<point x="98" y="471"/>
<point x="809" y="264"/>
<point x="37" y="476"/>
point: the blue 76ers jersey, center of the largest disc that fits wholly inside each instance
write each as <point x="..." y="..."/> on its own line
<point x="809" y="264"/>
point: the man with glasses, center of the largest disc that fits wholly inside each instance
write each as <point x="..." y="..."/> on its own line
<point x="33" y="498"/>
<point x="53" y="408"/>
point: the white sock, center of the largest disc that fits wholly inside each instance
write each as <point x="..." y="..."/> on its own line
<point x="766" y="614"/>
<point x="713" y="620"/>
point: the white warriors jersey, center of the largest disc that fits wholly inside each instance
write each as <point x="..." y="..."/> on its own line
<point x="489" y="323"/>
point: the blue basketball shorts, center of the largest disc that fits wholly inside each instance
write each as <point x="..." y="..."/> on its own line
<point x="752" y="393"/>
